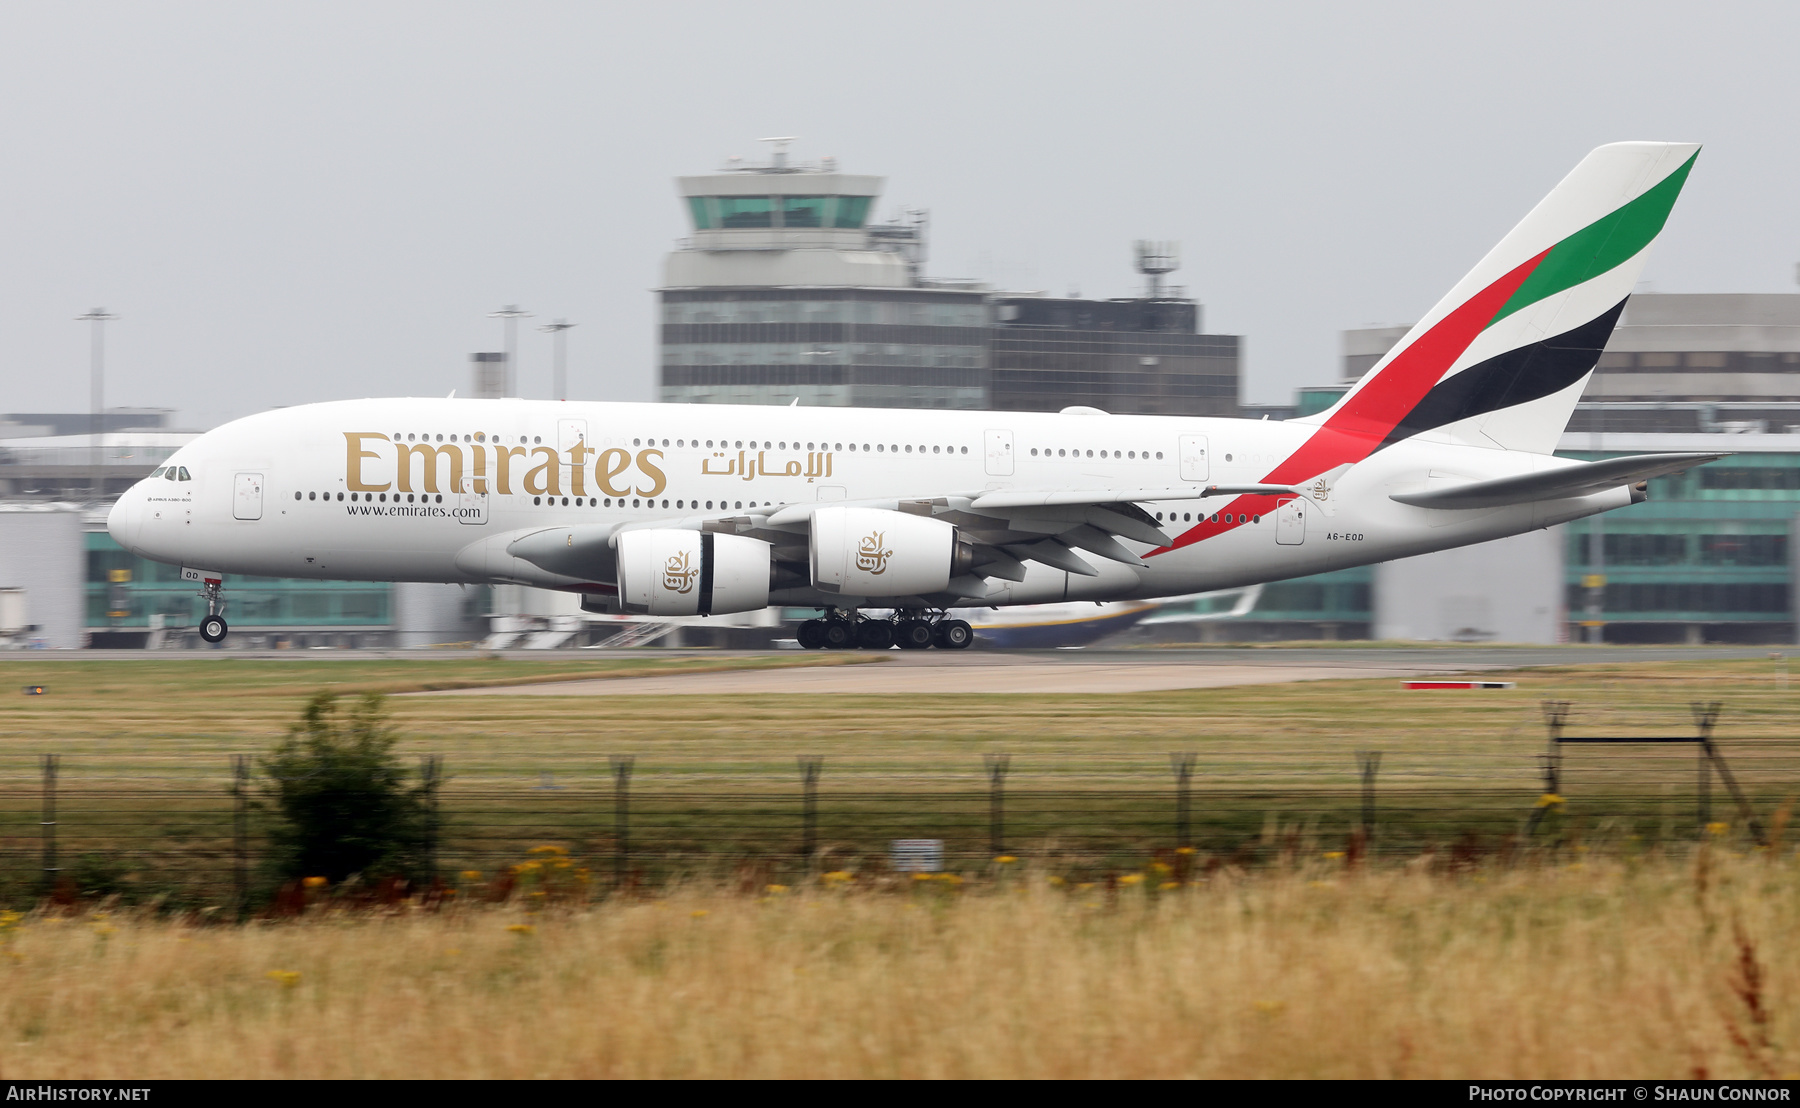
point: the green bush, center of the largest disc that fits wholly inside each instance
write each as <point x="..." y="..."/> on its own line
<point x="344" y="803"/>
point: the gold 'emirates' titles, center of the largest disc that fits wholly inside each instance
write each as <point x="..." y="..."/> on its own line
<point x="539" y="470"/>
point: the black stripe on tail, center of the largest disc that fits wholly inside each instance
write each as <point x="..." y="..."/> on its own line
<point x="1522" y="374"/>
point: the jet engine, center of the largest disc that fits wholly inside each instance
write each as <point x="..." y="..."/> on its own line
<point x="876" y="552"/>
<point x="691" y="573"/>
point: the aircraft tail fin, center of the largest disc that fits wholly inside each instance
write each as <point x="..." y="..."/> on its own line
<point x="1502" y="359"/>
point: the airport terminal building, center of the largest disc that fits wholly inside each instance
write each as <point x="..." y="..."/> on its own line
<point x="784" y="290"/>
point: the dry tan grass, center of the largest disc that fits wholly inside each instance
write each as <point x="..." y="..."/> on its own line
<point x="1653" y="968"/>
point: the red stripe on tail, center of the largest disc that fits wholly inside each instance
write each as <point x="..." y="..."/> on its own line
<point x="1364" y="419"/>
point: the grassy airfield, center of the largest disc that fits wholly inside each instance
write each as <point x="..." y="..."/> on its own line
<point x="1614" y="945"/>
<point x="145" y="747"/>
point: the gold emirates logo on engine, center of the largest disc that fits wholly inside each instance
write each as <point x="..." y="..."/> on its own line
<point x="679" y="574"/>
<point x="872" y="555"/>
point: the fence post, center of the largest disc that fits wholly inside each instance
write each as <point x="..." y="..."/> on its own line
<point x="240" y="833"/>
<point x="1556" y="714"/>
<point x="47" y="828"/>
<point x="810" y="765"/>
<point x="997" y="765"/>
<point x="621" y="767"/>
<point x="1184" y="771"/>
<point x="1368" y="761"/>
<point x="1705" y="716"/>
<point x="431" y="774"/>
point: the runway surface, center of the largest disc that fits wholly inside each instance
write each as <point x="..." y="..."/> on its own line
<point x="1102" y="671"/>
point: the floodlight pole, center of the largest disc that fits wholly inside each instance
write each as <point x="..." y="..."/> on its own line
<point x="559" y="373"/>
<point x="512" y="313"/>
<point x="97" y="319"/>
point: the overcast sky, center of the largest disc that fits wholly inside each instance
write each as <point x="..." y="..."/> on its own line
<point x="293" y="202"/>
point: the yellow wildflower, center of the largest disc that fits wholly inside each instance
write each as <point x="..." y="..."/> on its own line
<point x="1056" y="881"/>
<point x="315" y="882"/>
<point x="546" y="849"/>
<point x="775" y="890"/>
<point x="1131" y="879"/>
<point x="521" y="928"/>
<point x="1717" y="828"/>
<point x="697" y="913"/>
<point x="1334" y="854"/>
<point x="1184" y="850"/>
<point x="471" y="875"/>
<point x="1159" y="867"/>
<point x="1006" y="859"/>
<point x="287" y="979"/>
<point x="1549" y="800"/>
<point x="837" y="876"/>
<point x="950" y="878"/>
<point x="1167" y="885"/>
<point x="922" y="877"/>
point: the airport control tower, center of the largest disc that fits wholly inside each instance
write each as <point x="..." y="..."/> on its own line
<point x="785" y="290"/>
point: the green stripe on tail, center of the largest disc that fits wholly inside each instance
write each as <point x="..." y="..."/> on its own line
<point x="1601" y="245"/>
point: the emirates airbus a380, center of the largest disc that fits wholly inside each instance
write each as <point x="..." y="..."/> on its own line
<point x="680" y="509"/>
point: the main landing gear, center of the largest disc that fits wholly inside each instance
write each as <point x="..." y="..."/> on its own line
<point x="908" y="631"/>
<point x="213" y="627"/>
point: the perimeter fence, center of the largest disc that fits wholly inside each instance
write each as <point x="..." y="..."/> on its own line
<point x="82" y="828"/>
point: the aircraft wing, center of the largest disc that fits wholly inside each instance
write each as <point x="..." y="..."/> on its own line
<point x="1060" y="528"/>
<point x="1580" y="479"/>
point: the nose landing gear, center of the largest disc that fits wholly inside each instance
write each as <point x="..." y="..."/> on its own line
<point x="213" y="627"/>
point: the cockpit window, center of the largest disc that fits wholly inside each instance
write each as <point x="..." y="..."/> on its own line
<point x="158" y="471"/>
<point x="184" y="474"/>
<point x="169" y="474"/>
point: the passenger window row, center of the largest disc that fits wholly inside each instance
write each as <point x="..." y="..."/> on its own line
<point x="1129" y="455"/>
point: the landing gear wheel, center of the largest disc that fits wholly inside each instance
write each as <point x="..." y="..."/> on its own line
<point x="837" y="634"/>
<point x="874" y="634"/>
<point x="811" y="634"/>
<point x="953" y="634"/>
<point x="213" y="629"/>
<point x="913" y="634"/>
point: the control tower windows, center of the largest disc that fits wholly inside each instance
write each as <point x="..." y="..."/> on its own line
<point x="852" y="211"/>
<point x="703" y="220"/>
<point x="737" y="212"/>
<point x="803" y="211"/>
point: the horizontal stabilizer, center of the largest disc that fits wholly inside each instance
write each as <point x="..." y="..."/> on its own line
<point x="1556" y="484"/>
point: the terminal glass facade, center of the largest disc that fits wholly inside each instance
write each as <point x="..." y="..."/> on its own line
<point x="1707" y="557"/>
<point x="124" y="591"/>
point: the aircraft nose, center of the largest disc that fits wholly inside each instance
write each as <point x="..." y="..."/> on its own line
<point x="126" y="519"/>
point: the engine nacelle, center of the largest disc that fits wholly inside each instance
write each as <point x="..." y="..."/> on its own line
<point x="691" y="573"/>
<point x="876" y="552"/>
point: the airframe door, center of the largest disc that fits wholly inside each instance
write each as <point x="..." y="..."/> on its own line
<point x="1290" y="521"/>
<point x="999" y="453"/>
<point x="246" y="496"/>
<point x="570" y="433"/>
<point x="1193" y="458"/>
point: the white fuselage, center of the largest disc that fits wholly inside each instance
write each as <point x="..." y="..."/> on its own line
<point x="319" y="491"/>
